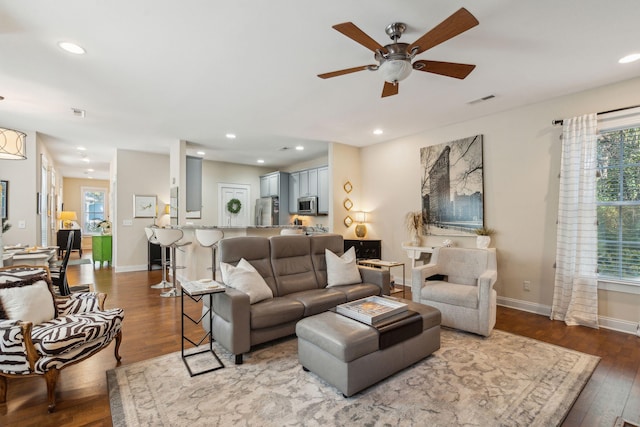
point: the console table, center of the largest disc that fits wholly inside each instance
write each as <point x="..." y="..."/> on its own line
<point x="364" y="248"/>
<point x="101" y="249"/>
<point x="415" y="252"/>
<point x="63" y="235"/>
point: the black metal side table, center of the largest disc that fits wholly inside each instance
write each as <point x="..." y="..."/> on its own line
<point x="195" y="291"/>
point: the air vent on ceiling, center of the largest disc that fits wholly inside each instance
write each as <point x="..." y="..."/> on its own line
<point x="484" y="98"/>
<point x="78" y="112"/>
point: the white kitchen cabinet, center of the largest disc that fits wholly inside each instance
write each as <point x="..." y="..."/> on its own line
<point x="294" y="192"/>
<point x="323" y="190"/>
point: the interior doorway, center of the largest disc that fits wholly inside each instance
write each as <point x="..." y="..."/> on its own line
<point x="227" y="192"/>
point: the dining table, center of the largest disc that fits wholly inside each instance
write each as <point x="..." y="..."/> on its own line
<point x="29" y="255"/>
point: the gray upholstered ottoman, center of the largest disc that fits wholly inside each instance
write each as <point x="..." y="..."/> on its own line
<point x="347" y="354"/>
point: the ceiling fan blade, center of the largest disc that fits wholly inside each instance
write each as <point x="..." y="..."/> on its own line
<point x="458" y="23"/>
<point x="390" y="89"/>
<point x="345" y="71"/>
<point x="449" y="69"/>
<point x="350" y="30"/>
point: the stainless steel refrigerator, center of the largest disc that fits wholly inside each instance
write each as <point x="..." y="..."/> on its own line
<point x="267" y="211"/>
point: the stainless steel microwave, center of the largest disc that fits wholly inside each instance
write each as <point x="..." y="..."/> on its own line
<point x="308" y="205"/>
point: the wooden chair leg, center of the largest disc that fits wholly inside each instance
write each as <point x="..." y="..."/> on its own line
<point x="117" y="349"/>
<point x="51" y="377"/>
<point x="3" y="389"/>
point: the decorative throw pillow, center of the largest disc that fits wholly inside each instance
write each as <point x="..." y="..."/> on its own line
<point x="342" y="270"/>
<point x="31" y="302"/>
<point x="245" y="278"/>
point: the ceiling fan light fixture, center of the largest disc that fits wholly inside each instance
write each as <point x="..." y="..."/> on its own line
<point x="395" y="70"/>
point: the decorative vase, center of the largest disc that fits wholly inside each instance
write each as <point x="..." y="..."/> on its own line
<point x="482" y="242"/>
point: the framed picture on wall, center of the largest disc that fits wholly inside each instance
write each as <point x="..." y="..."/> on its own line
<point x="144" y="206"/>
<point x="452" y="187"/>
<point x="4" y="199"/>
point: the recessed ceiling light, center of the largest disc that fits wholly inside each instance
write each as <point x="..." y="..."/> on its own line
<point x="629" y="58"/>
<point x="90" y="170"/>
<point x="377" y="132"/>
<point x="71" y="48"/>
<point x="78" y="112"/>
<point x="231" y="136"/>
<point x="260" y="161"/>
<point x="86" y="160"/>
<point x="200" y="153"/>
<point x="299" y="147"/>
<point x="81" y="148"/>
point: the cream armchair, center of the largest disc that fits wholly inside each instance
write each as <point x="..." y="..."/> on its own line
<point x="459" y="282"/>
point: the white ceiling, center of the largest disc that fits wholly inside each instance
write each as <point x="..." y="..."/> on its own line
<point x="157" y="71"/>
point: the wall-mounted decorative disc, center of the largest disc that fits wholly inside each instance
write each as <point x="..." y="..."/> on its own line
<point x="348" y="204"/>
<point x="348" y="221"/>
<point x="347" y="187"/>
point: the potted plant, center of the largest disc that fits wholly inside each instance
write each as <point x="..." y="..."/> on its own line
<point x="105" y="226"/>
<point x="484" y="237"/>
<point x="414" y="223"/>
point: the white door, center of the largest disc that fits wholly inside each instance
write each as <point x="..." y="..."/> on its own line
<point x="226" y="192"/>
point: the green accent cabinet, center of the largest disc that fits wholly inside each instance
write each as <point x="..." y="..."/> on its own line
<point x="101" y="249"/>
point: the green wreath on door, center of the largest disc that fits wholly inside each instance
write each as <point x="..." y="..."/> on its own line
<point x="234" y="206"/>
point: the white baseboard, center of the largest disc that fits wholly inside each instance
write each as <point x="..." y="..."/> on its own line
<point x="531" y="307"/>
<point x="130" y="268"/>
<point x="545" y="310"/>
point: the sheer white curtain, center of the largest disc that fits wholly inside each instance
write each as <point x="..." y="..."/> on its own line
<point x="575" y="298"/>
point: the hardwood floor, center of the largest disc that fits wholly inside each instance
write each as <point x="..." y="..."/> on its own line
<point x="152" y="328"/>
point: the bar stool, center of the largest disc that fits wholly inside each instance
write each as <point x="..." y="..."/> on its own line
<point x="170" y="238"/>
<point x="209" y="238"/>
<point x="151" y="237"/>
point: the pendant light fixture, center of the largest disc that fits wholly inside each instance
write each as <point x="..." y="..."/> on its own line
<point x="12" y="144"/>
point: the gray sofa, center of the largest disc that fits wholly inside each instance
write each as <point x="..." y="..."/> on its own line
<point x="294" y="267"/>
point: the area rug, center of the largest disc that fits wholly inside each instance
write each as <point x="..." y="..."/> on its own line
<point x="504" y="380"/>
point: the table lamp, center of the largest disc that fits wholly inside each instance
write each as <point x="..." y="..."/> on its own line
<point x="361" y="229"/>
<point x="67" y="218"/>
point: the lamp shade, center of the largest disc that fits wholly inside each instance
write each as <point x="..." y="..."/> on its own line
<point x="361" y="217"/>
<point x="67" y="217"/>
<point x="12" y="144"/>
<point x="361" y="229"/>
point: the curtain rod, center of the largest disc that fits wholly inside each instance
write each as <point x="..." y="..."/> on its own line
<point x="560" y="122"/>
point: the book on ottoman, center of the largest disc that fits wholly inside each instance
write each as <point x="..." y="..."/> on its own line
<point x="372" y="309"/>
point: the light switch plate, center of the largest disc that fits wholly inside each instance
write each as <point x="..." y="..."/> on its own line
<point x="128" y="222"/>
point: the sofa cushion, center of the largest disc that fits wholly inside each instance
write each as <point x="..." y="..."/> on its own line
<point x="450" y="293"/>
<point x="320" y="242"/>
<point x="245" y="278"/>
<point x="63" y="334"/>
<point x="342" y="270"/>
<point x="291" y="264"/>
<point x="254" y="249"/>
<point x="318" y="300"/>
<point x="358" y="290"/>
<point x="27" y="300"/>
<point x="274" y="312"/>
<point x="462" y="265"/>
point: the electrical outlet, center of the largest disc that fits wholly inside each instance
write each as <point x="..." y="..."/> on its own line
<point x="22" y="224"/>
<point x="526" y="285"/>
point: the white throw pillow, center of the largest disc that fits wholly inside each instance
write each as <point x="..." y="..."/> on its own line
<point x="32" y="303"/>
<point x="245" y="278"/>
<point x="342" y="270"/>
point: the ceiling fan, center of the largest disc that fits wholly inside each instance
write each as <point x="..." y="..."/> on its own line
<point x="394" y="60"/>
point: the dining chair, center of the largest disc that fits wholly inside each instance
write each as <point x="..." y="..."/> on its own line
<point x="59" y="278"/>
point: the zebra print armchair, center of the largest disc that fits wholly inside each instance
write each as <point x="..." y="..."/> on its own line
<point x="40" y="333"/>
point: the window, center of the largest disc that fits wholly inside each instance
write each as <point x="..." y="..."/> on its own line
<point x="618" y="192"/>
<point x="93" y="209"/>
